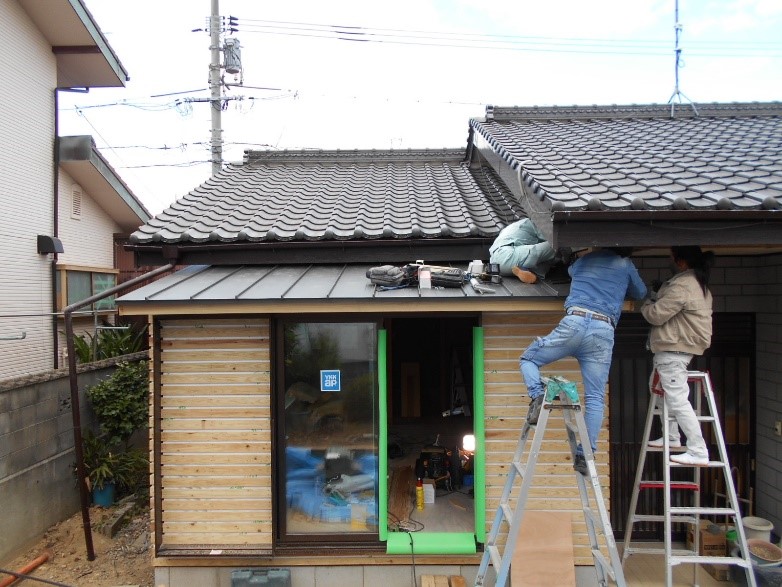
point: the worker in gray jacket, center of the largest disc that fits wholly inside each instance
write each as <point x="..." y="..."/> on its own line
<point x="680" y="315"/>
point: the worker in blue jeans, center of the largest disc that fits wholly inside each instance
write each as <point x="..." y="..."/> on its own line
<point x="600" y="281"/>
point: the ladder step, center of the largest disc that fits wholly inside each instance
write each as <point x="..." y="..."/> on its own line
<point x="713" y="560"/>
<point x="710" y="465"/>
<point x="603" y="562"/>
<point x="649" y="550"/>
<point x="703" y="511"/>
<point x="661" y="518"/>
<point x="520" y="468"/>
<point x="507" y="512"/>
<point x="494" y="554"/>
<point x="674" y="485"/>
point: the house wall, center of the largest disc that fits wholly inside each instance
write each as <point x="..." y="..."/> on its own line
<point x="88" y="239"/>
<point x="215" y="445"/>
<point x="553" y="487"/>
<point x="27" y="82"/>
<point x="758" y="285"/>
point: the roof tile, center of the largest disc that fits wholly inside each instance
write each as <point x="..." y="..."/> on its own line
<point x="641" y="151"/>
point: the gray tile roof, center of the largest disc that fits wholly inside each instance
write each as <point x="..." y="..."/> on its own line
<point x="320" y="196"/>
<point x="628" y="158"/>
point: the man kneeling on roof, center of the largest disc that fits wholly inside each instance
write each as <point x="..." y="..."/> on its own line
<point x="521" y="250"/>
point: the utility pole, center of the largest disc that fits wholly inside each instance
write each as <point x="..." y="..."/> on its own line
<point x="215" y="26"/>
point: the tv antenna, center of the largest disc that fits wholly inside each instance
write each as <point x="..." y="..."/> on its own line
<point x="678" y="96"/>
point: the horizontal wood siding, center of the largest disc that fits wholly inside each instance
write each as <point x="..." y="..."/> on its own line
<point x="506" y="335"/>
<point x="215" y="433"/>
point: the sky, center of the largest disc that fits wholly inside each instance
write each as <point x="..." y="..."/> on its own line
<point x="409" y="74"/>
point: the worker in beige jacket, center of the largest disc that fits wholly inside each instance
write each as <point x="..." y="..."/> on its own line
<point x="680" y="315"/>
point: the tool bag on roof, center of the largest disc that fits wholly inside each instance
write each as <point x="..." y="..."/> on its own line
<point x="388" y="275"/>
<point x="447" y="277"/>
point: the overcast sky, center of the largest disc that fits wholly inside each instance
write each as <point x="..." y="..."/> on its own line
<point x="412" y="76"/>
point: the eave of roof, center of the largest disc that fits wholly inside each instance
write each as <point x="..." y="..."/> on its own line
<point x="78" y="156"/>
<point x="84" y="56"/>
<point x="256" y="287"/>
<point x="635" y="175"/>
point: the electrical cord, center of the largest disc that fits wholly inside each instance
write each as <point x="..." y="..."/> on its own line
<point x="31" y="578"/>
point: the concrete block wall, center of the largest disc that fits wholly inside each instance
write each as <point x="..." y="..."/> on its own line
<point x="37" y="484"/>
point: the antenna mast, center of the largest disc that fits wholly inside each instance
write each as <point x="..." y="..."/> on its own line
<point x="676" y="97"/>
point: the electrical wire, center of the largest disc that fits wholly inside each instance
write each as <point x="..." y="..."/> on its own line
<point x="32" y="578"/>
<point x="605" y="46"/>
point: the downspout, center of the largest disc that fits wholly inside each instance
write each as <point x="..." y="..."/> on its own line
<point x="74" y="385"/>
<point x="56" y="226"/>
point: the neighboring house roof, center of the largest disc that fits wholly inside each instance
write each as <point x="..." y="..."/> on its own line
<point x="654" y="175"/>
<point x="84" y="57"/>
<point x="78" y="156"/>
<point x="303" y="206"/>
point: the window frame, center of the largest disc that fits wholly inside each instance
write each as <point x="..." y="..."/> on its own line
<point x="327" y="541"/>
<point x="101" y="306"/>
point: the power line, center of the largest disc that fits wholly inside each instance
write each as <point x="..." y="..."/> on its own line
<point x="505" y="42"/>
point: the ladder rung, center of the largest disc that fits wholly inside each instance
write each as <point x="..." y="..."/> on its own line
<point x="507" y="512"/>
<point x="704" y="511"/>
<point x="673" y="484"/>
<point x="705" y="418"/>
<point x="714" y="560"/>
<point x="672" y="449"/>
<point x="661" y="518"/>
<point x="494" y="553"/>
<point x="520" y="469"/>
<point x="649" y="550"/>
<point x="710" y="464"/>
<point x="603" y="562"/>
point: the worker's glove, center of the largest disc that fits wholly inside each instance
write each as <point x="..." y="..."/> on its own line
<point x="654" y="288"/>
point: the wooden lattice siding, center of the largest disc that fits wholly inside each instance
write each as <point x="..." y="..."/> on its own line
<point x="505" y="338"/>
<point x="215" y="433"/>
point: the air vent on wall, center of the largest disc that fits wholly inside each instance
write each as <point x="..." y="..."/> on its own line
<point x="76" y="202"/>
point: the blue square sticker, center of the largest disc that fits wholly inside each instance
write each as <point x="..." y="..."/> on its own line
<point x="330" y="380"/>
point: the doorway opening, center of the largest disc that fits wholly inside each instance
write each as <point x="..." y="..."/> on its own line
<point x="430" y="414"/>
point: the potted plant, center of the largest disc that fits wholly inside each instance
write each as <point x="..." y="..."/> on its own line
<point x="120" y="405"/>
<point x="110" y="467"/>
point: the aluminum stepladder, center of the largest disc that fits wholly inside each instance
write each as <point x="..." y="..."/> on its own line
<point x="596" y="518"/>
<point x="691" y="514"/>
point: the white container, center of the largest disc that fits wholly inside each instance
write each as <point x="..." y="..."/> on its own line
<point x="425" y="278"/>
<point x="758" y="528"/>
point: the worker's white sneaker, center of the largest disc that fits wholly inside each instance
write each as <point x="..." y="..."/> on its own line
<point x="677" y="443"/>
<point x="687" y="458"/>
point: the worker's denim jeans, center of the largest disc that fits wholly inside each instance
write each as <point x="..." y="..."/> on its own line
<point x="589" y="341"/>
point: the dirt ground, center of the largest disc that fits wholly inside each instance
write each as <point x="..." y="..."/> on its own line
<point x="124" y="560"/>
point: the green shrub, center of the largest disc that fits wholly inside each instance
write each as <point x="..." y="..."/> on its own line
<point x="106" y="344"/>
<point x="106" y="463"/>
<point x="121" y="402"/>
